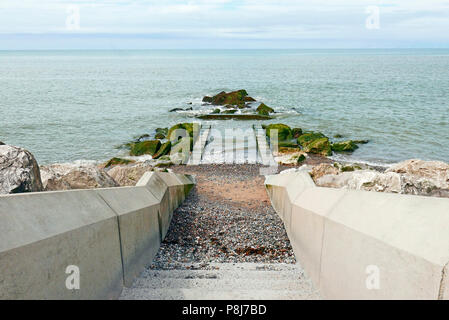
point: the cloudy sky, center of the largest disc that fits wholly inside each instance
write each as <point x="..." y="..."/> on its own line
<point x="141" y="24"/>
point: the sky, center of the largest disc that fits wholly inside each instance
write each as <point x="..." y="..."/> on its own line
<point x="223" y="24"/>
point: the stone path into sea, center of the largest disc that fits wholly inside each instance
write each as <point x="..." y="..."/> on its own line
<point x="225" y="242"/>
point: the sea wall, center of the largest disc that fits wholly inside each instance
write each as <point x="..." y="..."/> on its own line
<point x="101" y="239"/>
<point x="365" y="245"/>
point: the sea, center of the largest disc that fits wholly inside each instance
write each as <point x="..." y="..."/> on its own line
<point x="65" y="106"/>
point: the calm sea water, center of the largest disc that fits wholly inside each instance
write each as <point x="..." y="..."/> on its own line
<point x="71" y="105"/>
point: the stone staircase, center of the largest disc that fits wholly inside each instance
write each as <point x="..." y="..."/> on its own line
<point x="223" y="281"/>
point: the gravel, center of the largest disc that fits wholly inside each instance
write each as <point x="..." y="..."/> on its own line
<point x="213" y="226"/>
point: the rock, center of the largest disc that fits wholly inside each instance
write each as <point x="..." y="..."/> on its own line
<point x="264" y="109"/>
<point x="296" y="133"/>
<point x="117" y="161"/>
<point x="75" y="176"/>
<point x="345" y="146"/>
<point x="436" y="171"/>
<point x="145" y="147"/>
<point x="1" y="143"/>
<point x="163" y="131"/>
<point x="129" y="175"/>
<point x="216" y="111"/>
<point x="163" y="150"/>
<point x="249" y="99"/>
<point x="360" y="141"/>
<point x="159" y="136"/>
<point x="141" y="138"/>
<point x="180" y="130"/>
<point x="308" y="137"/>
<point x="320" y="146"/>
<point x="423" y="177"/>
<point x="322" y="170"/>
<point x="176" y="110"/>
<point x="338" y="136"/>
<point x="368" y="180"/>
<point x="284" y="131"/>
<point x="19" y="171"/>
<point x="301" y="159"/>
<point x="233" y="98"/>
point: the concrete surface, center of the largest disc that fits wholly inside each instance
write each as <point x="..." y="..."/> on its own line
<point x="345" y="239"/>
<point x="229" y="281"/>
<point x="109" y="234"/>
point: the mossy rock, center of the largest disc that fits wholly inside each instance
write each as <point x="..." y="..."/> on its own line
<point x="264" y="109"/>
<point x="159" y="136"/>
<point x="233" y="98"/>
<point x="145" y="147"/>
<point x="296" y="133"/>
<point x="345" y="146"/>
<point x="320" y="146"/>
<point x="347" y="169"/>
<point x="249" y="99"/>
<point x="164" y="131"/>
<point x="216" y="111"/>
<point x="208" y="99"/>
<point x="301" y="158"/>
<point x="360" y="141"/>
<point x="288" y="149"/>
<point x="117" y="161"/>
<point x="309" y="137"/>
<point x="338" y="136"/>
<point x="180" y="126"/>
<point x="284" y="131"/>
<point x="163" y="150"/>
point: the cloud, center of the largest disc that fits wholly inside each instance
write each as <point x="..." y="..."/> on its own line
<point x="256" y="20"/>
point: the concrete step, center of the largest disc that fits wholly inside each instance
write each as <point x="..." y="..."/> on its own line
<point x="205" y="294"/>
<point x="221" y="284"/>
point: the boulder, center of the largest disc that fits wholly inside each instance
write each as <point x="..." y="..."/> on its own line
<point x="223" y="98"/>
<point x="129" y="175"/>
<point x="284" y="132"/>
<point x="296" y="133"/>
<point x="163" y="150"/>
<point x="1" y="143"/>
<point x="320" y="146"/>
<point x="117" y="161"/>
<point x="180" y="130"/>
<point x="420" y="177"/>
<point x="344" y="146"/>
<point x="368" y="180"/>
<point x="436" y="171"/>
<point x="19" y="171"/>
<point x="308" y="137"/>
<point x="264" y="109"/>
<point x="145" y="147"/>
<point x="249" y="99"/>
<point x="322" y="170"/>
<point x="70" y="176"/>
<point x="216" y="111"/>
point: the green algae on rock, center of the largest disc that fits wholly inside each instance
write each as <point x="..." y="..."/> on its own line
<point x="117" y="161"/>
<point x="163" y="150"/>
<point x="296" y="132"/>
<point x="320" y="146"/>
<point x="216" y="111"/>
<point x="309" y="137"/>
<point x="182" y="127"/>
<point x="145" y="147"/>
<point x="344" y="146"/>
<point x="284" y="132"/>
<point x="264" y="109"/>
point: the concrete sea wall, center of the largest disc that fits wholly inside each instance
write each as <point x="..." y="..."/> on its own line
<point x="100" y="239"/>
<point x="365" y="245"/>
